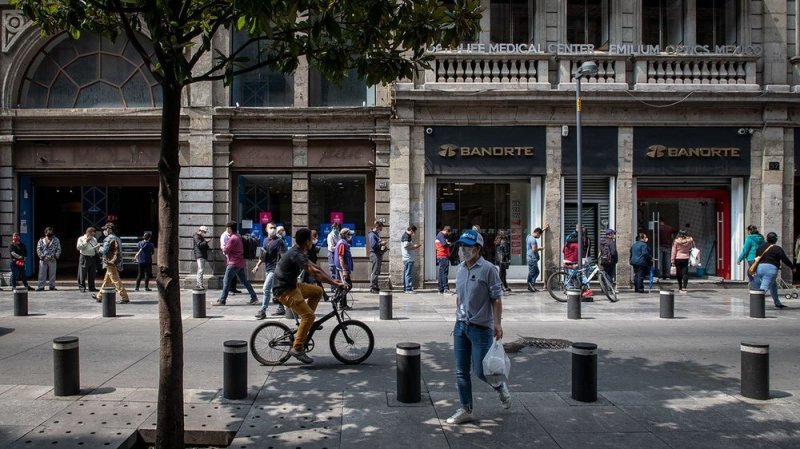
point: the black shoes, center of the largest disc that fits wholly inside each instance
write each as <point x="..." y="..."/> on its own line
<point x="374" y="290"/>
<point x="781" y="306"/>
<point x="280" y="312"/>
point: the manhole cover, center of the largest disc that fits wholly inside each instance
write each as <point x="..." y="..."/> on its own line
<point x="536" y="342"/>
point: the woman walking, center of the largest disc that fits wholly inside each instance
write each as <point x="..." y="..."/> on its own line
<point x="753" y="240"/>
<point x="681" y="250"/>
<point x="18" y="252"/>
<point x="640" y="260"/>
<point x="769" y="267"/>
<point x="144" y="259"/>
<point x="502" y="257"/>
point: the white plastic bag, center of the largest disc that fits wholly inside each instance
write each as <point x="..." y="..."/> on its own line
<point x="694" y="257"/>
<point x="496" y="364"/>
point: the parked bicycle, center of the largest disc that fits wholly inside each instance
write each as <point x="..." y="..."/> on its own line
<point x="570" y="278"/>
<point x="351" y="341"/>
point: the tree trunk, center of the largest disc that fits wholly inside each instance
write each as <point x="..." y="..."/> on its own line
<point x="170" y="425"/>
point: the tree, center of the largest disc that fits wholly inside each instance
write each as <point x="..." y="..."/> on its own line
<point x="382" y="39"/>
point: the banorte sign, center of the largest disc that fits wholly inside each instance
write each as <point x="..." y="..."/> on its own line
<point x="450" y="150"/>
<point x="662" y="151"/>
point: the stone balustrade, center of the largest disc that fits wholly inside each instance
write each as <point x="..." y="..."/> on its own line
<point x="506" y="71"/>
<point x="611" y="72"/>
<point x="695" y="72"/>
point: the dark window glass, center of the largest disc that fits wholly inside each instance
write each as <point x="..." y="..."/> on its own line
<point x="662" y="22"/>
<point x="265" y="193"/>
<point x="339" y="193"/>
<point x="717" y="22"/>
<point x="450" y="4"/>
<point x="588" y="22"/>
<point x="352" y="91"/>
<point x="511" y="21"/>
<point x="262" y="87"/>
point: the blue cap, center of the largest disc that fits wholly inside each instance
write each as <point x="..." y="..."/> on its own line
<point x="471" y="238"/>
<point x="610" y="231"/>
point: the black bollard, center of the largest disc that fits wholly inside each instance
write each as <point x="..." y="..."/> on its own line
<point x="573" y="304"/>
<point x="755" y="370"/>
<point x="66" y="366"/>
<point x="198" y="303"/>
<point x="385" y="299"/>
<point x="584" y="372"/>
<point x="109" y="298"/>
<point x="757" y="304"/>
<point x="21" y="302"/>
<point x="234" y="366"/>
<point x="667" y="304"/>
<point x="408" y="373"/>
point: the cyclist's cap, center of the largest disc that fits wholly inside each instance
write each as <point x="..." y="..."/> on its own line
<point x="610" y="231"/>
<point x="471" y="238"/>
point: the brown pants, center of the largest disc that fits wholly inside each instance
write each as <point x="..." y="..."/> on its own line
<point x="295" y="300"/>
<point x="112" y="277"/>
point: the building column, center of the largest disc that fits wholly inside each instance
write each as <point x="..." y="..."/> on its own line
<point x="222" y="197"/>
<point x="382" y="202"/>
<point x="775" y="36"/>
<point x="625" y="206"/>
<point x="552" y="204"/>
<point x="300" y="182"/>
<point x="8" y="218"/>
<point x="400" y="216"/>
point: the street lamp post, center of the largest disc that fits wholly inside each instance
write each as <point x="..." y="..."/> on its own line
<point x="588" y="68"/>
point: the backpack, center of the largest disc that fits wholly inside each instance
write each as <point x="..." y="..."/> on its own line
<point x="249" y="246"/>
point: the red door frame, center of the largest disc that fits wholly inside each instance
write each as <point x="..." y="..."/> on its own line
<point x="722" y="199"/>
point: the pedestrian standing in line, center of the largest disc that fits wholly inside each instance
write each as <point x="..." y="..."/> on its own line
<point x="753" y="240"/>
<point x="18" y="252"/>
<point x="479" y="313"/>
<point x="87" y="262"/>
<point x="223" y="239"/>
<point x="533" y="248"/>
<point x="274" y="247"/>
<point x="200" y="249"/>
<point x="376" y="250"/>
<point x="640" y="260"/>
<point x="665" y="233"/>
<point x="236" y="265"/>
<point x="111" y="250"/>
<point x="49" y="250"/>
<point x="769" y="267"/>
<point x="443" y="258"/>
<point x="313" y="257"/>
<point x="608" y="255"/>
<point x="681" y="251"/>
<point x="502" y="257"/>
<point x="572" y="237"/>
<point x="332" y="239"/>
<point x="409" y="251"/>
<point x="344" y="263"/>
<point x="144" y="261"/>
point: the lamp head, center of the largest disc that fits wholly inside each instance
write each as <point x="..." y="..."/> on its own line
<point x="588" y="68"/>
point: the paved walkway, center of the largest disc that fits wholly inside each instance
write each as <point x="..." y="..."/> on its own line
<point x="662" y="383"/>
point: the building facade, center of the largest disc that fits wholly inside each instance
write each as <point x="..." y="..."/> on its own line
<point x="692" y="118"/>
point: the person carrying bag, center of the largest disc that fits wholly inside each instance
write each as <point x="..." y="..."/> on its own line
<point x="753" y="269"/>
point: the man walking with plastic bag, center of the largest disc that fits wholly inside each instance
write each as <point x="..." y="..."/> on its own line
<point x="478" y="322"/>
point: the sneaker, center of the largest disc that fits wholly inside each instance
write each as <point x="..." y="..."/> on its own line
<point x="374" y="290"/>
<point x="781" y="306"/>
<point x="531" y="287"/>
<point x="136" y="289"/>
<point x="261" y="314"/>
<point x="461" y="416"/>
<point x="40" y="289"/>
<point x="410" y="292"/>
<point x="148" y="289"/>
<point x="441" y="293"/>
<point x="448" y="292"/>
<point x="123" y="301"/>
<point x="218" y="303"/>
<point x="505" y="395"/>
<point x="53" y="288"/>
<point x="301" y="356"/>
<point x="280" y="312"/>
<point x="254" y="301"/>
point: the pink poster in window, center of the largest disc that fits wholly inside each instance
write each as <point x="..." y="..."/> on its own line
<point x="264" y="217"/>
<point x="337" y="217"/>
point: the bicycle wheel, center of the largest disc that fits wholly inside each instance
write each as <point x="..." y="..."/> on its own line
<point x="352" y="342"/>
<point x="608" y="287"/>
<point x="270" y="343"/>
<point x="557" y="285"/>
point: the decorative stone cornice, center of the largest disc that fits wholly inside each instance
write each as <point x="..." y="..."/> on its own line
<point x="14" y="23"/>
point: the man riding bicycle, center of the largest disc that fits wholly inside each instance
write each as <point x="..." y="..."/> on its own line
<point x="292" y="294"/>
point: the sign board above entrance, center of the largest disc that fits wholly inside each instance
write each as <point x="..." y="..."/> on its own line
<point x="690" y="151"/>
<point x="485" y="150"/>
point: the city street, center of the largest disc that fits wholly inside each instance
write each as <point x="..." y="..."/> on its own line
<point x="662" y="383"/>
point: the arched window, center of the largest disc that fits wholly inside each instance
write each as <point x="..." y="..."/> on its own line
<point x="91" y="72"/>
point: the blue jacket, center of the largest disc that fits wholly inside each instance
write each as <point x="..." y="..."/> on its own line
<point x="751" y="243"/>
<point x="348" y="257"/>
<point x="640" y="254"/>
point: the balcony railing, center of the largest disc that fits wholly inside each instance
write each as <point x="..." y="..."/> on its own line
<point x="695" y="72"/>
<point x="611" y="71"/>
<point x="509" y="71"/>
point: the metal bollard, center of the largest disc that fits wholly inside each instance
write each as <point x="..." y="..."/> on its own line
<point x="66" y="366"/>
<point x="408" y="373"/>
<point x="109" y="298"/>
<point x="666" y="300"/>
<point x="198" y="303"/>
<point x="755" y="370"/>
<point x="757" y="304"/>
<point x="385" y="299"/>
<point x="584" y="372"/>
<point x="21" y="302"/>
<point x="234" y="366"/>
<point x="573" y="304"/>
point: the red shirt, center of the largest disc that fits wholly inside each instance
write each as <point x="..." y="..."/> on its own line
<point x="442" y="246"/>
<point x="571" y="252"/>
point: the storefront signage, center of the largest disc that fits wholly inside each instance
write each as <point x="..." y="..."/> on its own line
<point x="613" y="49"/>
<point x="337" y="217"/>
<point x="598" y="151"/>
<point x="690" y="151"/>
<point x="477" y="150"/>
<point x="264" y="217"/>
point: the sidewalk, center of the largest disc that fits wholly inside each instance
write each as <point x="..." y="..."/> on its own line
<point x="662" y="383"/>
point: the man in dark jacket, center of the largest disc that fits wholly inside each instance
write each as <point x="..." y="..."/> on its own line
<point x="200" y="249"/>
<point x="641" y="258"/>
<point x="608" y="256"/>
<point x="376" y="248"/>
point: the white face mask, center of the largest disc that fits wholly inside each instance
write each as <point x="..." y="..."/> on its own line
<point x="282" y="234"/>
<point x="272" y="232"/>
<point x="466" y="253"/>
<point x="105" y="232"/>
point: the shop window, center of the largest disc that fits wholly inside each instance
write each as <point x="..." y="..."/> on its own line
<point x="263" y="87"/>
<point x="339" y="197"/>
<point x="662" y="22"/>
<point x="91" y="72"/>
<point x="265" y="198"/>
<point x="352" y="91"/>
<point x="588" y="22"/>
<point x="511" y="21"/>
<point x="717" y="22"/>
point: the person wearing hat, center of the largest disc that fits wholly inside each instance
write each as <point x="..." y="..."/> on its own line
<point x="111" y="250"/>
<point x="344" y="261"/>
<point x="608" y="256"/>
<point x="200" y="249"/>
<point x="479" y="312"/>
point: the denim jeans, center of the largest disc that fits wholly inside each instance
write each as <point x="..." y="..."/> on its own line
<point x="470" y="345"/>
<point x="17" y="274"/>
<point x="640" y="273"/>
<point x="444" y="271"/>
<point x="766" y="274"/>
<point x="408" y="275"/>
<point x="240" y="273"/>
<point x="533" y="270"/>
<point x="665" y="260"/>
<point x="267" y="290"/>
